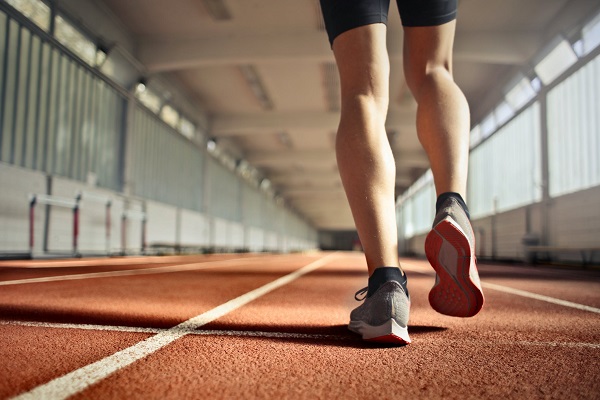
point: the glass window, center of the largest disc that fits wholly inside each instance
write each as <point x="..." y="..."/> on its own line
<point x="8" y="102"/>
<point x="556" y="62"/>
<point x="21" y="98"/>
<point x="573" y="126"/>
<point x="475" y="136"/>
<point x="187" y="128"/>
<point x="35" y="10"/>
<point x="505" y="171"/>
<point x="76" y="41"/>
<point x="488" y="126"/>
<point x="64" y="125"/>
<point x="520" y="94"/>
<point x="52" y="120"/>
<point x="591" y="35"/>
<point x="3" y="44"/>
<point x="148" y="98"/>
<point x="33" y="98"/>
<point x="503" y="113"/>
<point x="42" y="117"/>
<point x="169" y="115"/>
<point x="79" y="95"/>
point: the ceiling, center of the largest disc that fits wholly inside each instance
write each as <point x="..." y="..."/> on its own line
<point x="264" y="72"/>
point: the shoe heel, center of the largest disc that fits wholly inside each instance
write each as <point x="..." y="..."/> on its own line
<point x="449" y="253"/>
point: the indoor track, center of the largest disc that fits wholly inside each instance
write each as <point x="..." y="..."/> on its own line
<point x="274" y="326"/>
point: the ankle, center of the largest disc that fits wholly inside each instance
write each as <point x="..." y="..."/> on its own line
<point x="445" y="196"/>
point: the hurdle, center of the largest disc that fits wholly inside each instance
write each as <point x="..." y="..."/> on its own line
<point x="55" y="201"/>
<point x="107" y="201"/>
<point x="132" y="215"/>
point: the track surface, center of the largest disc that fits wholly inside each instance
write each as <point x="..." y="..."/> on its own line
<point x="112" y="328"/>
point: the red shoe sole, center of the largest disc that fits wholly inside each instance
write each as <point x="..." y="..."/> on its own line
<point x="450" y="254"/>
<point x="390" y="339"/>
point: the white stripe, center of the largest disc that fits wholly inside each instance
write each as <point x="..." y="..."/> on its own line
<point x="93" y="262"/>
<point x="134" y="329"/>
<point x="517" y="292"/>
<point x="129" y="272"/>
<point x="89" y="327"/>
<point x="78" y="380"/>
<point x="560" y="344"/>
<point x="279" y="335"/>
<point x="536" y="296"/>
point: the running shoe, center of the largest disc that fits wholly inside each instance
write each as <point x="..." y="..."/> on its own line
<point x="450" y="249"/>
<point x="383" y="317"/>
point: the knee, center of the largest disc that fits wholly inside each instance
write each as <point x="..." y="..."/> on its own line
<point x="429" y="76"/>
<point x="360" y="103"/>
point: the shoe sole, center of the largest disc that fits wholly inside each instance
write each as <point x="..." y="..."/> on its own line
<point x="450" y="254"/>
<point x="388" y="332"/>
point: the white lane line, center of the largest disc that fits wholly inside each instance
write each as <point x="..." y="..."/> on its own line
<point x="129" y="272"/>
<point x="212" y="332"/>
<point x="78" y="380"/>
<point x="523" y="293"/>
<point x="278" y="335"/>
<point x="92" y="262"/>
<point x="518" y="292"/>
<point x="560" y="344"/>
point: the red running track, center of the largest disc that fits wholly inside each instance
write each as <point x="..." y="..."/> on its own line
<point x="274" y="326"/>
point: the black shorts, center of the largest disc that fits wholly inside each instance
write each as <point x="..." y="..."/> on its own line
<point x="342" y="15"/>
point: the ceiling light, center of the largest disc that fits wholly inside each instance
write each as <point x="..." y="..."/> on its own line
<point x="101" y="55"/>
<point x="265" y="184"/>
<point x="211" y="144"/>
<point x="140" y="87"/>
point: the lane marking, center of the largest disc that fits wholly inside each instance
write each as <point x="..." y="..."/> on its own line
<point x="523" y="293"/>
<point x="80" y="379"/>
<point x="518" y="292"/>
<point x="107" y="261"/>
<point x="129" y="272"/>
<point x="278" y="335"/>
<point x="211" y="332"/>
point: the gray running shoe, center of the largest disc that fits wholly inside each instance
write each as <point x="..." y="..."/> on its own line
<point x="383" y="317"/>
<point x="450" y="249"/>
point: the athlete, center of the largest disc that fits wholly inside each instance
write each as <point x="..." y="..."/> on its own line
<point x="357" y="34"/>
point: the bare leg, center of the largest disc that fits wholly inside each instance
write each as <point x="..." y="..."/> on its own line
<point x="364" y="156"/>
<point x="443" y="112"/>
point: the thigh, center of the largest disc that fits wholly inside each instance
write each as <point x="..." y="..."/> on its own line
<point x="427" y="48"/>
<point x="363" y="64"/>
<point x="426" y="12"/>
<point x="342" y="15"/>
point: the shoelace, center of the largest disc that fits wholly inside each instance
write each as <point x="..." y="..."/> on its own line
<point x="362" y="292"/>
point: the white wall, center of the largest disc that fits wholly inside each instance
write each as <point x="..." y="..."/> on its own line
<point x="16" y="184"/>
<point x="194" y="229"/>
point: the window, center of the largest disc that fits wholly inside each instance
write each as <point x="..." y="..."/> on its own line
<point x="148" y="98"/>
<point x="488" y="126"/>
<point x="591" y="35"/>
<point x="187" y="128"/>
<point x="573" y="126"/>
<point x="75" y="41"/>
<point x="557" y="61"/>
<point x="169" y="115"/>
<point x="35" y="10"/>
<point x="475" y="136"/>
<point x="505" y="171"/>
<point x="520" y="94"/>
<point x="503" y="113"/>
